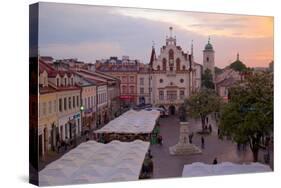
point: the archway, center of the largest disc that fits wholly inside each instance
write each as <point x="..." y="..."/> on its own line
<point x="172" y="110"/>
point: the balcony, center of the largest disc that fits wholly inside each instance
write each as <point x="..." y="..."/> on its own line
<point x="169" y="101"/>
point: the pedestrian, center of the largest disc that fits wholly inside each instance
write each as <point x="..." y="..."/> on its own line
<point x="149" y="154"/>
<point x="202" y="142"/>
<point x="190" y="139"/>
<point x="210" y="128"/>
<point x="65" y="144"/>
<point x="160" y="140"/>
<point x="207" y="119"/>
<point x="215" y="161"/>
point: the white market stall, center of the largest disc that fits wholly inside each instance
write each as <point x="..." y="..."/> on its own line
<point x="225" y="168"/>
<point x="93" y="162"/>
<point x="131" y="124"/>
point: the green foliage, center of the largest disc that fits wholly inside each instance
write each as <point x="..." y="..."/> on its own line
<point x="207" y="80"/>
<point x="248" y="116"/>
<point x="203" y="103"/>
<point x="238" y="66"/>
<point x="218" y="70"/>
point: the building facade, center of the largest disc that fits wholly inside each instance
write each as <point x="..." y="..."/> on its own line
<point x="173" y="74"/>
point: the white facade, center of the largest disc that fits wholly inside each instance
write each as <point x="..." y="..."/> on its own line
<point x="175" y="75"/>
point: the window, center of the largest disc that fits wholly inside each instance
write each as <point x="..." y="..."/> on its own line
<point x="132" y="78"/>
<point x="207" y="59"/>
<point x="178" y="64"/>
<point x="72" y="81"/>
<point x="44" y="108"/>
<point x="89" y="102"/>
<point x="55" y="106"/>
<point x="124" y="89"/>
<point x="171" y="68"/>
<point x="64" y="103"/>
<point x="183" y="67"/>
<point x="181" y="80"/>
<point x="69" y="103"/>
<point x="164" y="64"/>
<point x="60" y="105"/>
<point x="124" y="78"/>
<point x="171" y="54"/>
<point x="161" y="95"/>
<point x="73" y="101"/>
<point x="142" y="81"/>
<point x="50" y="107"/>
<point x="64" y="81"/>
<point x="158" y="67"/>
<point x="171" y="95"/>
<point x="182" y="94"/>
<point x="85" y="102"/>
<point x="77" y="101"/>
<point x="161" y="80"/>
<point x="141" y="90"/>
<point x="58" y="82"/>
<point x="132" y="88"/>
<point x="92" y="102"/>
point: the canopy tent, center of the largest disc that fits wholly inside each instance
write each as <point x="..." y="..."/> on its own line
<point x="135" y="122"/>
<point x="225" y="168"/>
<point x="93" y="162"/>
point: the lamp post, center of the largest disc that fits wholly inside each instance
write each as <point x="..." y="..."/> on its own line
<point x="81" y="112"/>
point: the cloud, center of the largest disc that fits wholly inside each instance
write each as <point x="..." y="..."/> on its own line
<point x="96" y="32"/>
<point x="87" y="51"/>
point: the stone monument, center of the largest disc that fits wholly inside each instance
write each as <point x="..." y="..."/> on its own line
<point x="184" y="147"/>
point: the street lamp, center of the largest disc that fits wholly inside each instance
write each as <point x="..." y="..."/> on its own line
<point x="81" y="111"/>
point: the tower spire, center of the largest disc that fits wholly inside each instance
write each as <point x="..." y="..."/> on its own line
<point x="238" y="56"/>
<point x="191" y="47"/>
<point x="171" y="31"/>
<point x="209" y="39"/>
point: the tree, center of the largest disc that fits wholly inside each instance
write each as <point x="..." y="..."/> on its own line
<point x="248" y="117"/>
<point x="202" y="104"/>
<point x="238" y="66"/>
<point x="207" y="79"/>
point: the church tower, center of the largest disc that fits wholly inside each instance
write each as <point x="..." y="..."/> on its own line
<point x="209" y="58"/>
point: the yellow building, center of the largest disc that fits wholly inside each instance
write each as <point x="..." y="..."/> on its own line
<point x="47" y="114"/>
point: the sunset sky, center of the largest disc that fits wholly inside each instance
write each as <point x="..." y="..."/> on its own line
<point x="90" y="33"/>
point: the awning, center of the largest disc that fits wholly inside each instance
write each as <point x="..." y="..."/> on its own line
<point x="201" y="169"/>
<point x="132" y="121"/>
<point x="93" y="162"/>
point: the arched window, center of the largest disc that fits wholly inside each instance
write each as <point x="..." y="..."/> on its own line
<point x="171" y="54"/>
<point x="158" y="67"/>
<point x="178" y="62"/>
<point x="164" y="62"/>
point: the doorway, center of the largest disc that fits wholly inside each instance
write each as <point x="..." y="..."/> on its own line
<point x="172" y="110"/>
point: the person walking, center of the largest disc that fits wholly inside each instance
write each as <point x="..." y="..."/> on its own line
<point x="215" y="161"/>
<point x="210" y="128"/>
<point x="190" y="138"/>
<point x="160" y="141"/>
<point x="202" y="142"/>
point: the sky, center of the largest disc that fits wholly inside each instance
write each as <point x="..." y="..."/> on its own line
<point x="89" y="33"/>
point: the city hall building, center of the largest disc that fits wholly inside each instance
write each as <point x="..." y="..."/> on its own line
<point x="175" y="75"/>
